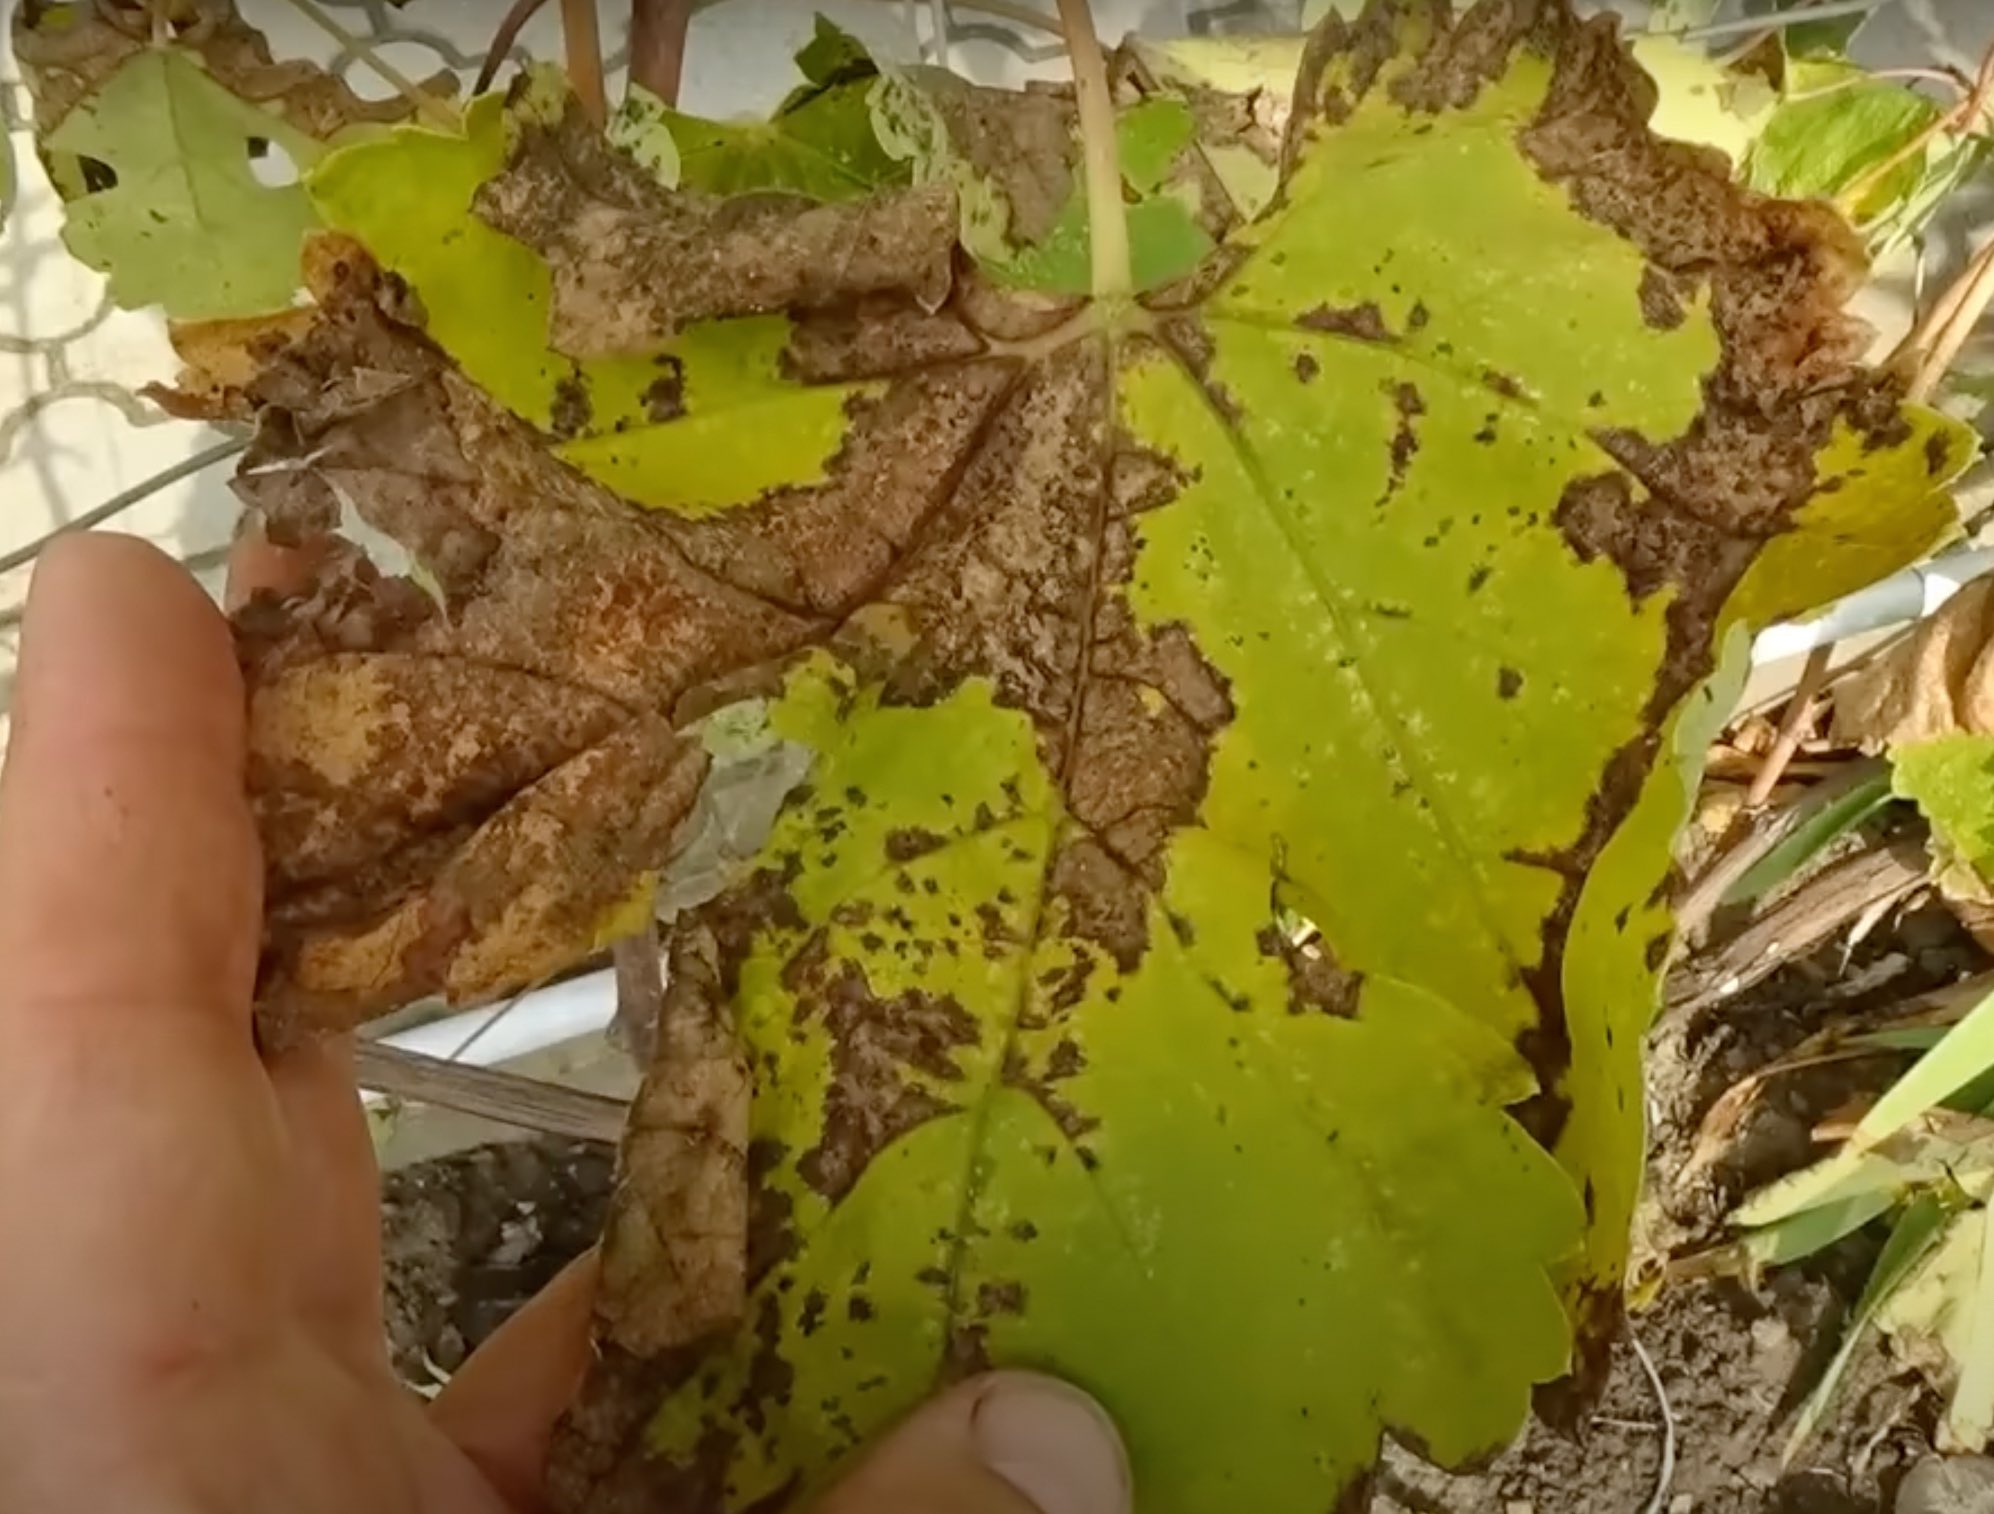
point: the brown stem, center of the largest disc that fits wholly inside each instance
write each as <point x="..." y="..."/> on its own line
<point x="657" y="46"/>
<point x="1974" y="292"/>
<point x="583" y="46"/>
<point x="1107" y="221"/>
<point x="1792" y="726"/>
<point x="509" y="27"/>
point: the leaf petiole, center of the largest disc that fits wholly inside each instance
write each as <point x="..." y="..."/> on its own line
<point x="1107" y="220"/>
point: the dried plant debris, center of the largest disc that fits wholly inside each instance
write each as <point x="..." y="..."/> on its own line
<point x="1246" y="728"/>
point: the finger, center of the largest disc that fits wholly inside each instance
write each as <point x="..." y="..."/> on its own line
<point x="256" y="564"/>
<point x="501" y="1406"/>
<point x="1006" y="1443"/>
<point x="335" y="1187"/>
<point x="128" y="867"/>
<point x="128" y="930"/>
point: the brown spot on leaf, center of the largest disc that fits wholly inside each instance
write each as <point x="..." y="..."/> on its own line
<point x="1317" y="982"/>
<point x="664" y="397"/>
<point x="878" y="1045"/>
<point x="1365" y="322"/>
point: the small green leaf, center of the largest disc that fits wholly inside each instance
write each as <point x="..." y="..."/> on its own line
<point x="832" y="56"/>
<point x="1165" y="240"/>
<point x="820" y="142"/>
<point x="1836" y="126"/>
<point x="1966" y="1053"/>
<point x="1699" y="100"/>
<point x="1951" y="779"/>
<point x="642" y="128"/>
<point x="187" y="225"/>
<point x="1807" y="842"/>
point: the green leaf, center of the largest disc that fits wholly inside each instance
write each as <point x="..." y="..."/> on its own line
<point x="187" y="225"/>
<point x="1966" y="1053"/>
<point x="1951" y="780"/>
<point x="1165" y="240"/>
<point x="642" y="128"/>
<point x="1699" y="100"/>
<point x="1835" y="126"/>
<point x="1827" y="38"/>
<point x="1210" y="957"/>
<point x="1821" y="830"/>
<point x="1917" y="1233"/>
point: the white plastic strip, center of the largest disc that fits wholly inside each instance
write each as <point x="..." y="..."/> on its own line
<point x="1896" y="600"/>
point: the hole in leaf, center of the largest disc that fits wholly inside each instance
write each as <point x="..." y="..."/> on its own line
<point x="270" y="165"/>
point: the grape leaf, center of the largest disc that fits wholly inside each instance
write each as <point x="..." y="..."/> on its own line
<point x="818" y="143"/>
<point x="186" y="225"/>
<point x="152" y="146"/>
<point x="1835" y="124"/>
<point x="1210" y="952"/>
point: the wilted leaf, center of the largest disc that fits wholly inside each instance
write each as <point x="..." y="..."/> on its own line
<point x="1224" y="870"/>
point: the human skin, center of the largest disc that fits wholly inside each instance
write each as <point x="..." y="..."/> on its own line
<point x="190" y="1268"/>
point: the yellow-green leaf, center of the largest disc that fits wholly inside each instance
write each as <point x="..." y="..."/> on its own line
<point x="407" y="196"/>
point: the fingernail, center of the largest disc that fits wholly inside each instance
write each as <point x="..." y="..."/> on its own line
<point x="1053" y="1444"/>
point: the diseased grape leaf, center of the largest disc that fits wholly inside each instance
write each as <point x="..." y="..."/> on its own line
<point x="1248" y="724"/>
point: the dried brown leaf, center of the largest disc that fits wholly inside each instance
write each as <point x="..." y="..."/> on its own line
<point x="1939" y="682"/>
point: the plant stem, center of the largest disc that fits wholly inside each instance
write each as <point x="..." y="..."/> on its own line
<point x="525" y="1103"/>
<point x="1107" y="221"/>
<point x="1792" y="726"/>
<point x="1952" y="321"/>
<point x="508" y="31"/>
<point x="583" y="46"/>
<point x="657" y="46"/>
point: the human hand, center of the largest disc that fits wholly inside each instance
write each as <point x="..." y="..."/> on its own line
<point x="190" y="1272"/>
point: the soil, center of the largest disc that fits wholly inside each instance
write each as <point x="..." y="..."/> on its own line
<point x="472" y="1236"/>
<point x="469" y="1238"/>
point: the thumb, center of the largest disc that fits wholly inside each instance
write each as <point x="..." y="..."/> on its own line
<point x="1007" y="1443"/>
